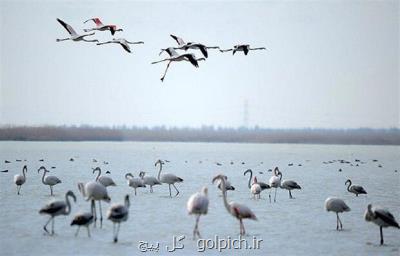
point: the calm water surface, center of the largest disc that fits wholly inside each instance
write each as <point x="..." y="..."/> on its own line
<point x="289" y="227"/>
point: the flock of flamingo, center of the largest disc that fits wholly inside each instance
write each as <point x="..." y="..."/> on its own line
<point x="174" y="56"/>
<point x="197" y="204"/>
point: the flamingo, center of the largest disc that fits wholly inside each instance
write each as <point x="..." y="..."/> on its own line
<point x="191" y="45"/>
<point x="198" y="205"/>
<point x="83" y="219"/>
<point x="262" y="184"/>
<point x="123" y="42"/>
<point x="336" y="205"/>
<point x="19" y="179"/>
<point x="118" y="213"/>
<point x="168" y="178"/>
<point x="49" y="180"/>
<point x="275" y="182"/>
<point x="101" y="27"/>
<point x="175" y="57"/>
<point x="104" y="180"/>
<point x="228" y="185"/>
<point x="94" y="191"/>
<point x="245" y="48"/>
<point x="74" y="36"/>
<point x="238" y="211"/>
<point x="381" y="217"/>
<point x="354" y="189"/>
<point x="149" y="180"/>
<point x="289" y="185"/>
<point x="256" y="188"/>
<point x="57" y="208"/>
<point x="134" y="182"/>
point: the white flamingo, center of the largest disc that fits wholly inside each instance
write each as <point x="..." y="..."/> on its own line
<point x="262" y="184"/>
<point x="134" y="182"/>
<point x="175" y="57"/>
<point x="245" y="48"/>
<point x="191" y="45"/>
<point x="354" y="188"/>
<point x="381" y="217"/>
<point x="123" y="42"/>
<point x="149" y="180"/>
<point x="275" y="182"/>
<point x="118" y="213"/>
<point x="101" y="27"/>
<point x="104" y="180"/>
<point x="49" y="180"/>
<point x="94" y="191"/>
<point x="168" y="178"/>
<point x="73" y="34"/>
<point x="198" y="205"/>
<point x="336" y="205"/>
<point x="256" y="188"/>
<point x="238" y="211"/>
<point x="83" y="219"/>
<point x="19" y="179"/>
<point x="57" y="208"/>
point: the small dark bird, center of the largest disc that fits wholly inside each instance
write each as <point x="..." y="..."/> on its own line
<point x="108" y="172"/>
<point x="300" y="165"/>
<point x="380" y="166"/>
<point x="53" y="167"/>
<point x="105" y="162"/>
<point x="41" y="160"/>
<point x="340" y="170"/>
<point x="375" y="160"/>
<point x="18" y="160"/>
<point x="7" y="162"/>
<point x="219" y="164"/>
<point x="290" y="164"/>
<point x="269" y="170"/>
<point x="71" y="159"/>
<point x="5" y="171"/>
<point x="243" y="163"/>
<point x="94" y="161"/>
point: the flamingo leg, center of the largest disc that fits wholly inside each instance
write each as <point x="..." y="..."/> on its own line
<point x="45" y="226"/>
<point x="196" y="228"/>
<point x="169" y="186"/>
<point x="52" y="227"/>
<point x="64" y="39"/>
<point x="18" y="189"/>
<point x="77" y="231"/>
<point x="290" y="194"/>
<point x="177" y="191"/>
<point x="337" y="221"/>
<point x="165" y="72"/>
<point x="275" y="195"/>
<point x="101" y="215"/>
<point x="93" y="209"/>
<point x="380" y="228"/>
<point x="135" y="191"/>
<point x="269" y="196"/>
<point x="116" y="234"/>
<point x="151" y="189"/>
<point x="51" y="190"/>
<point x="88" y="230"/>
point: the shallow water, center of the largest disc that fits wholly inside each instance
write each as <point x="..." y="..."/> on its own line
<point x="290" y="227"/>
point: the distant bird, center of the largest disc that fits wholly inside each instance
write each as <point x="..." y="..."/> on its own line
<point x="149" y="180"/>
<point x="108" y="172"/>
<point x="57" y="208"/>
<point x="336" y="205"/>
<point x="192" y="45"/>
<point x="354" y="189"/>
<point x="238" y="211"/>
<point x="168" y="178"/>
<point x="198" y="205"/>
<point x="245" y="48"/>
<point x="18" y="160"/>
<point x="94" y="191"/>
<point x="53" y="167"/>
<point x="219" y="164"/>
<point x="118" y="213"/>
<point x="101" y="27"/>
<point x="49" y="180"/>
<point x="19" y="179"/>
<point x="71" y="159"/>
<point x="175" y="57"/>
<point x="227" y="186"/>
<point x="74" y="36"/>
<point x="94" y="160"/>
<point x="134" y="182"/>
<point x="105" y="180"/>
<point x="263" y="185"/>
<point x="123" y="42"/>
<point x="289" y="185"/>
<point x="83" y="219"/>
<point x="4" y="171"/>
<point x="381" y="217"/>
<point x="41" y="160"/>
<point x="340" y="170"/>
<point x="275" y="182"/>
<point x="7" y="162"/>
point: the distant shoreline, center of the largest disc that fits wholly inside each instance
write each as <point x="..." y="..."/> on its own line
<point x="362" y="136"/>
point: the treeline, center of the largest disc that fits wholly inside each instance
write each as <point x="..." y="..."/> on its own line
<point x="203" y="134"/>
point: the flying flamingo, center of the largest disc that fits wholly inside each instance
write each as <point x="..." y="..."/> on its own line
<point x="168" y="178"/>
<point x="19" y="179"/>
<point x="175" y="57"/>
<point x="118" y="213"/>
<point x="245" y="48"/>
<point x="104" y="180"/>
<point x="49" y="180"/>
<point x="238" y="211"/>
<point x="275" y="182"/>
<point x="198" y="205"/>
<point x="57" y="208"/>
<point x="134" y="182"/>
<point x="191" y="45"/>
<point x="336" y="205"/>
<point x="74" y="36"/>
<point x="101" y="27"/>
<point x="381" y="217"/>
<point x="83" y="219"/>
<point x="123" y="42"/>
<point x="94" y="191"/>
<point x="149" y="180"/>
<point x="354" y="189"/>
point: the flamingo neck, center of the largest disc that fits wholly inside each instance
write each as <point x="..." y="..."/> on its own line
<point x="251" y="176"/>
<point x="44" y="174"/>
<point x="228" y="208"/>
<point x="348" y="186"/>
<point x="159" y="172"/>
<point x="98" y="175"/>
<point x="68" y="209"/>
<point x="24" y="171"/>
<point x="127" y="203"/>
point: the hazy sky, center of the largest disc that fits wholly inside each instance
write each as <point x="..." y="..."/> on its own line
<point x="329" y="64"/>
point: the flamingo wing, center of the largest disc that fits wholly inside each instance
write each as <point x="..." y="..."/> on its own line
<point x="125" y="46"/>
<point x="70" y="30"/>
<point x="178" y="40"/>
<point x="192" y="59"/>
